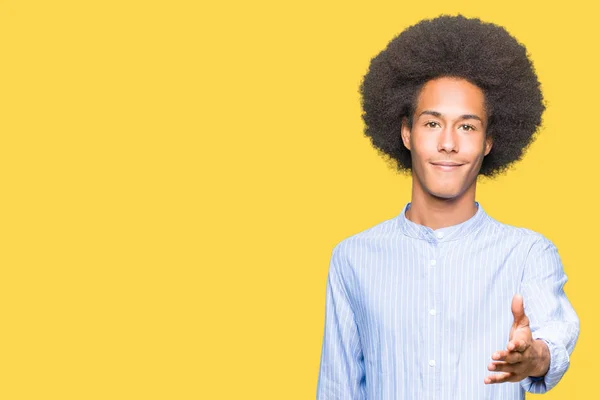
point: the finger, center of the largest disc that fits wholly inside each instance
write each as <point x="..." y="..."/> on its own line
<point x="500" y="355"/>
<point x="518" y="311"/>
<point x="496" y="378"/>
<point x="500" y="378"/>
<point x="514" y="357"/>
<point x="496" y="366"/>
<point x="518" y="345"/>
<point x="517" y="307"/>
<point x="501" y="366"/>
<point x="511" y="357"/>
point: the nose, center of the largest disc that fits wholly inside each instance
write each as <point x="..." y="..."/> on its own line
<point x="448" y="140"/>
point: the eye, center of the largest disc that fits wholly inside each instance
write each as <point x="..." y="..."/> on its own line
<point x="431" y="124"/>
<point x="468" y="127"/>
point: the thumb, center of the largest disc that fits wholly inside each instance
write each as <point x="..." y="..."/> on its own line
<point x="518" y="311"/>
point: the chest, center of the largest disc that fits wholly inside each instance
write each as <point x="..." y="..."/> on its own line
<point x="449" y="287"/>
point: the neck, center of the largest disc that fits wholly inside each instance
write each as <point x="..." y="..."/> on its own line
<point x="435" y="212"/>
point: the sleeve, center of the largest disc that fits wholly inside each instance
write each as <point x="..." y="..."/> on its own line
<point x="551" y="316"/>
<point x="342" y="372"/>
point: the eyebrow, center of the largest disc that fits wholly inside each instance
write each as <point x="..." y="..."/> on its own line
<point x="437" y="114"/>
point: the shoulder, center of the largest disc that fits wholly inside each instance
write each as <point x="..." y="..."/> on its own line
<point x="357" y="250"/>
<point x="524" y="236"/>
<point x="371" y="236"/>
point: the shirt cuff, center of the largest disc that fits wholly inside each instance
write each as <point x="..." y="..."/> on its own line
<point x="559" y="363"/>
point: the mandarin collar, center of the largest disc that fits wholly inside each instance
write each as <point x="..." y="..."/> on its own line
<point x="446" y="234"/>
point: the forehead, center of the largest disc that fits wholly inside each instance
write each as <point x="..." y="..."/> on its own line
<point x="451" y="96"/>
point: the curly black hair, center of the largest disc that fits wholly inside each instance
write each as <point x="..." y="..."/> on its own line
<point x="484" y="54"/>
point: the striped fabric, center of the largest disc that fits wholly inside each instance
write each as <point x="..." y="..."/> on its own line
<point x="416" y="313"/>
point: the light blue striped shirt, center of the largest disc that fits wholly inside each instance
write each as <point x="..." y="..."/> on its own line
<point x="416" y="313"/>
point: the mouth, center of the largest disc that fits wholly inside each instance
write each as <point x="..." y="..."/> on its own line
<point x="446" y="166"/>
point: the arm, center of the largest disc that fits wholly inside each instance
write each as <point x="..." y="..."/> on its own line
<point x="342" y="372"/>
<point x="552" y="318"/>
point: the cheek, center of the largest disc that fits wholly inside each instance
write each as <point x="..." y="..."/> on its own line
<point x="474" y="149"/>
<point x="424" y="147"/>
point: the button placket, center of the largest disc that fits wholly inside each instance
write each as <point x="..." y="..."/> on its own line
<point x="432" y="299"/>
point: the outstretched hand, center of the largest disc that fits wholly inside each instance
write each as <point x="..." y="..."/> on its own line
<point x="523" y="355"/>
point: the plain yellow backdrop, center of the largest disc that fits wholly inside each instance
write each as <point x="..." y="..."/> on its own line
<point x="174" y="176"/>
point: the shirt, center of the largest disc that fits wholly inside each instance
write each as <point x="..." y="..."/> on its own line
<point x="416" y="313"/>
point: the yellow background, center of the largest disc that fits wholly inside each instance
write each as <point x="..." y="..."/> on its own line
<point x="174" y="176"/>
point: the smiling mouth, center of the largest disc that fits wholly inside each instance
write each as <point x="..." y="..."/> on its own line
<point x="446" y="166"/>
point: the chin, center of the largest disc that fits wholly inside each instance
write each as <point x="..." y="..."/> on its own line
<point x="445" y="194"/>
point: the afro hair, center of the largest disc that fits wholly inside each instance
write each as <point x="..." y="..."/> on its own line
<point x="484" y="54"/>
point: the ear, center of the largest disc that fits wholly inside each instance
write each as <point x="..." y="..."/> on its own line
<point x="488" y="145"/>
<point x="405" y="133"/>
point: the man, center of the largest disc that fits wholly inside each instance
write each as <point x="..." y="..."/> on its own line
<point x="443" y="301"/>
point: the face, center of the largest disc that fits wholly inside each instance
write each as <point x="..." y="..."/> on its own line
<point x="447" y="140"/>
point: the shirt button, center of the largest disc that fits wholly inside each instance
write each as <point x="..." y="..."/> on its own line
<point x="440" y="235"/>
<point x="432" y="262"/>
<point x="432" y="312"/>
<point x="432" y="363"/>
